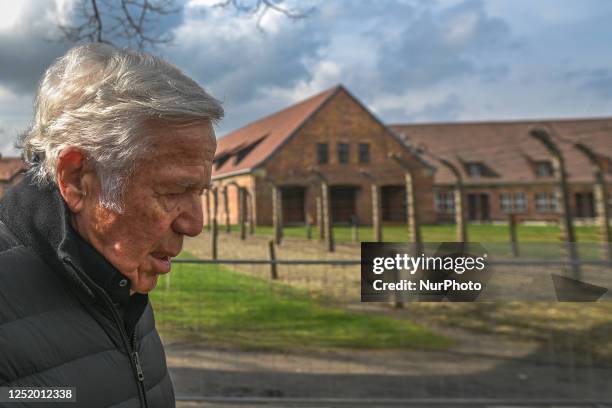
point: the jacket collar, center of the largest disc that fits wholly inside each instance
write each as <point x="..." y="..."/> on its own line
<point x="39" y="218"/>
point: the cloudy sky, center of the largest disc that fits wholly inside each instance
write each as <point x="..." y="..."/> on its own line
<point x="408" y="61"/>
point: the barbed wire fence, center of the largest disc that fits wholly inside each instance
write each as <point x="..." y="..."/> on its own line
<point x="250" y="325"/>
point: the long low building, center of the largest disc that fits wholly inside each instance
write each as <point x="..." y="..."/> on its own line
<point x="333" y="136"/>
<point x="505" y="170"/>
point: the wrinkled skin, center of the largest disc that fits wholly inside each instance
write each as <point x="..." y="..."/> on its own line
<point x="161" y="205"/>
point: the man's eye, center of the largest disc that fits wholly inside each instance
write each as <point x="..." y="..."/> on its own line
<point x="175" y="193"/>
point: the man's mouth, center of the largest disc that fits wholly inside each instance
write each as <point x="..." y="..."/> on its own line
<point x="162" y="263"/>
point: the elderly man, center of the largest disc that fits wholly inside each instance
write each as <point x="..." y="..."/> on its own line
<point x="119" y="154"/>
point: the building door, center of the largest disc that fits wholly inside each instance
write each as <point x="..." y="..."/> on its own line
<point x="585" y="205"/>
<point x="293" y="205"/>
<point x="342" y="203"/>
<point x="393" y="200"/>
<point x="478" y="207"/>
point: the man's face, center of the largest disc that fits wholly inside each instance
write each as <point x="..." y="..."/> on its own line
<point x="162" y="203"/>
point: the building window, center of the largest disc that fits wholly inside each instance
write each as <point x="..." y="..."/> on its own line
<point x="220" y="161"/>
<point x="244" y="152"/>
<point x="364" y="152"/>
<point x="505" y="202"/>
<point x="474" y="169"/>
<point x="513" y="203"/>
<point x="445" y="202"/>
<point x="343" y="153"/>
<point x="322" y="153"/>
<point x="543" y="168"/>
<point x="520" y="202"/>
<point x="546" y="202"/>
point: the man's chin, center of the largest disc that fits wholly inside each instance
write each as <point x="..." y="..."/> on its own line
<point x="146" y="285"/>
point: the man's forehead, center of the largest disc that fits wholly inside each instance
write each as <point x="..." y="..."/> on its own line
<point x="191" y="149"/>
<point x="187" y="176"/>
<point x="189" y="154"/>
<point x="168" y="138"/>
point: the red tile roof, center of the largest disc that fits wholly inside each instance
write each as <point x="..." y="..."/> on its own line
<point x="265" y="135"/>
<point x="10" y="167"/>
<point x="507" y="148"/>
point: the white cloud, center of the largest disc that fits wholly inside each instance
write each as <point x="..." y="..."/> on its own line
<point x="11" y="13"/>
<point x="324" y="74"/>
<point x="237" y="61"/>
<point x="462" y="28"/>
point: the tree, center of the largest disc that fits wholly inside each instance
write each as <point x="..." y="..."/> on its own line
<point x="135" y="23"/>
<point x="131" y="22"/>
<point x="259" y="8"/>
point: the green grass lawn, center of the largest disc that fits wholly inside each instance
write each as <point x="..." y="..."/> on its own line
<point x="534" y="241"/>
<point x="215" y="305"/>
<point x="489" y="233"/>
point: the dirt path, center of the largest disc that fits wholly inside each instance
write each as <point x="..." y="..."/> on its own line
<point x="382" y="374"/>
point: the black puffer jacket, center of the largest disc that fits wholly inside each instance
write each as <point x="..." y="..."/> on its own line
<point x="57" y="328"/>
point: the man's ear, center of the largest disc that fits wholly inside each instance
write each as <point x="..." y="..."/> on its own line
<point x="71" y="180"/>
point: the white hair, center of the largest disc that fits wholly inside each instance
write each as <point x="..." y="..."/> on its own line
<point x="98" y="98"/>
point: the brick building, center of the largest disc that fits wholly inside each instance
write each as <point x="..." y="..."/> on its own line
<point x="11" y="171"/>
<point x="506" y="171"/>
<point x="331" y="133"/>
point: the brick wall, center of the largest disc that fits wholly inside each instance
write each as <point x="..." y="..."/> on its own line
<point x="530" y="191"/>
<point x="230" y="183"/>
<point x="342" y="119"/>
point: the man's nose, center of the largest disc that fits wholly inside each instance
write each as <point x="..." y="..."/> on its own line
<point x="190" y="221"/>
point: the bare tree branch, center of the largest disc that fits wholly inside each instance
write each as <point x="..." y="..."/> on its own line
<point x="135" y="23"/>
<point x="131" y="21"/>
<point x="99" y="29"/>
<point x="259" y="8"/>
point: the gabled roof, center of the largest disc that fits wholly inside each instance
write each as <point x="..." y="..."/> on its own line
<point x="10" y="167"/>
<point x="507" y="147"/>
<point x="264" y="136"/>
